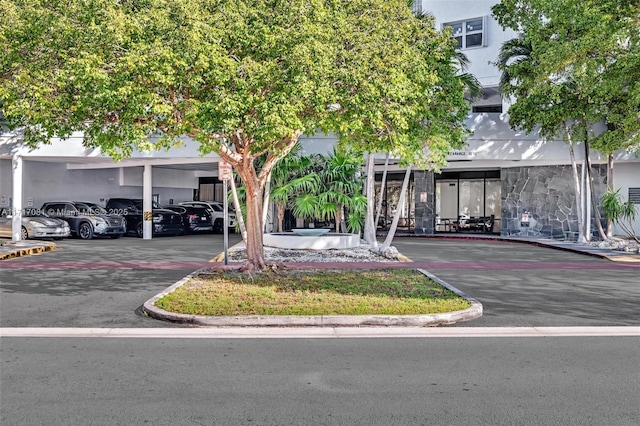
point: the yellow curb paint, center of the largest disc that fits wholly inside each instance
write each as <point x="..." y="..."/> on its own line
<point x="19" y="252"/>
<point x="630" y="258"/>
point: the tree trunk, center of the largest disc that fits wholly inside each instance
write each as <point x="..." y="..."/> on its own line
<point x="396" y="216"/>
<point x="610" y="186"/>
<point x="592" y="190"/>
<point x="242" y="161"/>
<point x="576" y="179"/>
<point x="382" y="188"/>
<point x="280" y="210"/>
<point x="236" y="206"/>
<point x="586" y="201"/>
<point x="265" y="204"/>
<point x="369" y="226"/>
<point x="255" y="248"/>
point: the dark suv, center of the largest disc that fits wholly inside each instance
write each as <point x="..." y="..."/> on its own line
<point x="194" y="219"/>
<point x="165" y="222"/>
<point x="86" y="219"/>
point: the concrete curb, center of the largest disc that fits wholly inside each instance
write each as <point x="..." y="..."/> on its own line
<point x="430" y="320"/>
<point x="320" y="332"/>
<point x="603" y="253"/>
<point x="623" y="258"/>
<point x="24" y="248"/>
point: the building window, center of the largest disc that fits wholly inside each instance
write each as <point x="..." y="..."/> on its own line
<point x="491" y="101"/>
<point x="468" y="33"/>
<point x="634" y="195"/>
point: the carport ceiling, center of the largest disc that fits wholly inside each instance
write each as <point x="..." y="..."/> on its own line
<point x="207" y="167"/>
<point x="208" y="164"/>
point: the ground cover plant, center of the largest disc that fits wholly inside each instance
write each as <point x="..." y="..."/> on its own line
<point x="312" y="292"/>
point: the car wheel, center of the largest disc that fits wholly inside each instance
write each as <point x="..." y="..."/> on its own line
<point x="139" y="230"/>
<point x="218" y="226"/>
<point x="85" y="231"/>
<point x="23" y="233"/>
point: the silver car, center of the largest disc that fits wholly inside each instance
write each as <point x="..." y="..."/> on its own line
<point x="86" y="219"/>
<point x="35" y="224"/>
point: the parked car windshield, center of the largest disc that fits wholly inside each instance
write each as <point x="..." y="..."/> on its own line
<point x="174" y="208"/>
<point x="215" y="206"/>
<point x="137" y="203"/>
<point x="219" y="206"/>
<point x="97" y="209"/>
<point x="90" y="208"/>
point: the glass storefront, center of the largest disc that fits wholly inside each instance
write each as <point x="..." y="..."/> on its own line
<point x="468" y="201"/>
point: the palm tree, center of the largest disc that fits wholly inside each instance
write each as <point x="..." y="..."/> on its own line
<point x="620" y="212"/>
<point x="291" y="177"/>
<point x="320" y="187"/>
<point x="342" y="182"/>
<point x="514" y="53"/>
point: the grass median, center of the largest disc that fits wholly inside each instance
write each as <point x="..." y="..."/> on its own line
<point x="313" y="292"/>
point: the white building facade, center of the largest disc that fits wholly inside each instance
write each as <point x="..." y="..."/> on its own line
<point x="520" y="183"/>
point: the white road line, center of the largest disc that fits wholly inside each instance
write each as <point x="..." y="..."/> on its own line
<point x="319" y="332"/>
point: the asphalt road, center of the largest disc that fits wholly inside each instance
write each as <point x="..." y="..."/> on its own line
<point x="432" y="381"/>
<point x="328" y="381"/>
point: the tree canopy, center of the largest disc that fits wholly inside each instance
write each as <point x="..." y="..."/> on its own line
<point x="243" y="78"/>
<point x="578" y="62"/>
<point x="576" y="66"/>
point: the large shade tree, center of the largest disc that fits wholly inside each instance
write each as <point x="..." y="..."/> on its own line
<point x="243" y="78"/>
<point x="577" y="64"/>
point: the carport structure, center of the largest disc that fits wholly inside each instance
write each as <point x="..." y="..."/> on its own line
<point x="182" y="164"/>
<point x="65" y="168"/>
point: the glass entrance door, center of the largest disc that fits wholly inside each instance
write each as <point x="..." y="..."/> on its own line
<point x="391" y="203"/>
<point x="468" y="202"/>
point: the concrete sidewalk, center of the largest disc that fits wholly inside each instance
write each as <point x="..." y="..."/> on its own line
<point x="570" y="246"/>
<point x="613" y="255"/>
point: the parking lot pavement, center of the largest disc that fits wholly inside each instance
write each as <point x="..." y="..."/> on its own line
<point x="103" y="283"/>
<point x="523" y="284"/>
<point x="98" y="283"/>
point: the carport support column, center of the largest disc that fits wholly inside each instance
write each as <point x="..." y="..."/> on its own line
<point x="147" y="202"/>
<point x="16" y="205"/>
